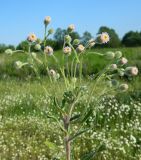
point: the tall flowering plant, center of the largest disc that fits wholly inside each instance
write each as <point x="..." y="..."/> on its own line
<point x="75" y="91"/>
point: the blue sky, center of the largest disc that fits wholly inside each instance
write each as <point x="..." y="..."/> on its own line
<point x="18" y="18"/>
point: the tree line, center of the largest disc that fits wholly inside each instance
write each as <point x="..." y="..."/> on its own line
<point x="130" y="39"/>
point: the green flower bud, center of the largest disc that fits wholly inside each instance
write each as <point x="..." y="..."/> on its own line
<point x="34" y="55"/>
<point x="110" y="55"/>
<point x="118" y="54"/>
<point x="67" y="39"/>
<point x="123" y="87"/>
<point x="50" y="31"/>
<point x="76" y="42"/>
<point x="9" y="51"/>
<point x="121" y="72"/>
<point x="37" y="47"/>
<point x="18" y="64"/>
<point x="39" y="41"/>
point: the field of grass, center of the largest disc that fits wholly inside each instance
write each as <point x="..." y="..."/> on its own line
<point x="27" y="134"/>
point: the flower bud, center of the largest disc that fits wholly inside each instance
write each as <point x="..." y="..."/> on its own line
<point x="39" y="41"/>
<point x="32" y="37"/>
<point x="37" y="47"/>
<point x="18" y="64"/>
<point x="131" y="71"/>
<point x="34" y="55"/>
<point x="110" y="55"/>
<point x="104" y="37"/>
<point x="123" y="61"/>
<point x="52" y="73"/>
<point x="47" y="20"/>
<point x="80" y="48"/>
<point x="67" y="39"/>
<point x="9" y="51"/>
<point x="118" y="54"/>
<point x="48" y="50"/>
<point x="113" y="67"/>
<point x="67" y="50"/>
<point x="57" y="76"/>
<point x="71" y="28"/>
<point x="123" y="87"/>
<point x="76" y="42"/>
<point x="121" y="72"/>
<point x="50" y="31"/>
<point x="91" y="42"/>
<point x="114" y="82"/>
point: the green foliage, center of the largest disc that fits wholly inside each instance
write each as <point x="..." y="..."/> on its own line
<point x="132" y="39"/>
<point x="86" y="37"/>
<point x="3" y="47"/>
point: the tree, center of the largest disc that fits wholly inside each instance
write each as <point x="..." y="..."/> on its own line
<point x="86" y="37"/>
<point x="132" y="39"/>
<point x="114" y="39"/>
<point x="59" y="36"/>
<point x="23" y="46"/>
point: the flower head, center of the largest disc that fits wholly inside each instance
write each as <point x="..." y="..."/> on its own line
<point x="123" y="87"/>
<point x="9" y="51"/>
<point x="67" y="50"/>
<point x="91" y="42"/>
<point x="104" y="37"/>
<point x="52" y="73"/>
<point x="131" y="71"/>
<point x="48" y="50"/>
<point x="50" y="31"/>
<point x="113" y="67"/>
<point x="123" y="61"/>
<point x="67" y="39"/>
<point x="18" y="64"/>
<point x="118" y="54"/>
<point x="80" y="48"/>
<point x="37" y="47"/>
<point x="76" y="42"/>
<point x="32" y="37"/>
<point x="110" y="55"/>
<point x="47" y="20"/>
<point x="71" y="28"/>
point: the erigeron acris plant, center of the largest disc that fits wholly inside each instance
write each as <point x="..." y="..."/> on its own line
<point x="75" y="92"/>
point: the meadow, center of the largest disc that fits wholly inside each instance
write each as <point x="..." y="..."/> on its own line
<point x="28" y="132"/>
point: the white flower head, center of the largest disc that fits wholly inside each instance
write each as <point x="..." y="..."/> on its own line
<point x="123" y="61"/>
<point x="47" y="20"/>
<point x="80" y="48"/>
<point x="131" y="71"/>
<point x="52" y="73"/>
<point x="104" y="37"/>
<point x="67" y="50"/>
<point x="91" y="42"/>
<point x="113" y="67"/>
<point x="71" y="28"/>
<point x="48" y="50"/>
<point x="32" y="37"/>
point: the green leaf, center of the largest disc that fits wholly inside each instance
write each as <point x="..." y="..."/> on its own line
<point x="78" y="134"/>
<point x="86" y="116"/>
<point x="75" y="117"/>
<point x="92" y="154"/>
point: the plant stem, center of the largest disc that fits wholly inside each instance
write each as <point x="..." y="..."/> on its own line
<point x="66" y="120"/>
